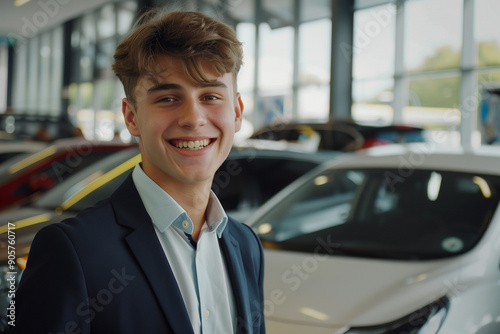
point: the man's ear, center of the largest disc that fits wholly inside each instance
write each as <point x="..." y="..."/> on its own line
<point x="238" y="109"/>
<point x="130" y="116"/>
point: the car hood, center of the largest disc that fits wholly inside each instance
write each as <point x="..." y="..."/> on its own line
<point x="335" y="291"/>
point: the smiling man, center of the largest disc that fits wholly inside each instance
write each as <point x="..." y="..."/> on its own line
<point x="186" y="130"/>
<point x="160" y="255"/>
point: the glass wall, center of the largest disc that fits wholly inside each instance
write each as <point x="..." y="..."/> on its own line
<point x="38" y="74"/>
<point x="285" y="76"/>
<point x="95" y="93"/>
<point x="373" y="64"/>
<point x="314" y="61"/>
<point x="426" y="63"/>
<point x="421" y="62"/>
<point x="287" y="55"/>
<point x="432" y="61"/>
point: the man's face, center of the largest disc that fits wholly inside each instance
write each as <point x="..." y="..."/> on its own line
<point x="185" y="129"/>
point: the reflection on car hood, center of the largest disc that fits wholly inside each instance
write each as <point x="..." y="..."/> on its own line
<point x="369" y="291"/>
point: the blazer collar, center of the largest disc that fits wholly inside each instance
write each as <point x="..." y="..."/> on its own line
<point x="145" y="246"/>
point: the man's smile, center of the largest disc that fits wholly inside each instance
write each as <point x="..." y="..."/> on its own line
<point x="191" y="144"/>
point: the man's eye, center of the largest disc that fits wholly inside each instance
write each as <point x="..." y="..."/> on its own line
<point x="210" y="98"/>
<point x="166" y="99"/>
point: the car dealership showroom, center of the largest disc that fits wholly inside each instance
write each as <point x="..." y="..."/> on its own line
<point x="377" y="120"/>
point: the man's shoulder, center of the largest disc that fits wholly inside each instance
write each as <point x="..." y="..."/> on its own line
<point x="101" y="215"/>
<point x="238" y="227"/>
<point x="92" y="219"/>
<point x="94" y="230"/>
<point x="242" y="232"/>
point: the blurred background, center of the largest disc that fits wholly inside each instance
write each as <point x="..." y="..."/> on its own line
<point x="432" y="64"/>
<point x="321" y="78"/>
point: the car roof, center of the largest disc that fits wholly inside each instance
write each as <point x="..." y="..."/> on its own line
<point x="77" y="145"/>
<point x="21" y="146"/>
<point x="319" y="156"/>
<point x="407" y="157"/>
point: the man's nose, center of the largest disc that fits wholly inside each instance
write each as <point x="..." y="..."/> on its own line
<point x="192" y="115"/>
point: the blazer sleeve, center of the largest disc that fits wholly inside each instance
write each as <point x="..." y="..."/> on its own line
<point x="52" y="296"/>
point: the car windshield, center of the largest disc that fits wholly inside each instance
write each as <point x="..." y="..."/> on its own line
<point x="379" y="213"/>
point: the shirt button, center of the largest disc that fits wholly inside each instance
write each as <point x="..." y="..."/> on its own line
<point x="206" y="314"/>
<point x="185" y="224"/>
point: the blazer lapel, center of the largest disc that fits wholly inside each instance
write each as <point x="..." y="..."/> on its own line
<point x="149" y="253"/>
<point x="234" y="263"/>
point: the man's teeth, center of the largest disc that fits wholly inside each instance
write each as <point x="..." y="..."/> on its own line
<point x="192" y="145"/>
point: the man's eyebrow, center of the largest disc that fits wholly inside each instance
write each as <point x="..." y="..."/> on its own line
<point x="173" y="86"/>
<point x="215" y="83"/>
<point x="167" y="86"/>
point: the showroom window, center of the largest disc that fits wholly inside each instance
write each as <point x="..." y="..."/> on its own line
<point x="294" y="61"/>
<point x="314" y="62"/>
<point x="429" y="63"/>
<point x="94" y="92"/>
<point x="275" y="71"/>
<point x="289" y="53"/>
<point x="487" y="33"/>
<point x="373" y="63"/>
<point x="38" y="70"/>
<point x="432" y="61"/>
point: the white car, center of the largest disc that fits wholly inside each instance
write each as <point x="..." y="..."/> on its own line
<point x="398" y="239"/>
<point x="9" y="149"/>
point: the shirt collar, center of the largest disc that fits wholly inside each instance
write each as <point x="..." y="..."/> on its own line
<point x="165" y="211"/>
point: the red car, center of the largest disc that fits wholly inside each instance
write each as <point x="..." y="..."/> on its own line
<point x="24" y="177"/>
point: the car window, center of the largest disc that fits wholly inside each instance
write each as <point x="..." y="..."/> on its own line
<point x="379" y="213"/>
<point x="8" y="155"/>
<point x="323" y="202"/>
<point x="244" y="184"/>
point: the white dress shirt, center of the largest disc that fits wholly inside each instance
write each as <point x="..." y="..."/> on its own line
<point x="200" y="273"/>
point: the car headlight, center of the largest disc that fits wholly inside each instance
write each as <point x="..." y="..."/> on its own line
<point x="426" y="320"/>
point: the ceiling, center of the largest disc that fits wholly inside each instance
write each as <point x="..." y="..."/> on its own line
<point x="36" y="16"/>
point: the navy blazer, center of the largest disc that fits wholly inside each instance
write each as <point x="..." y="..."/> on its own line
<point x="105" y="272"/>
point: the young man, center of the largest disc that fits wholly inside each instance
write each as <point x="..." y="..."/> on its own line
<point x="160" y="255"/>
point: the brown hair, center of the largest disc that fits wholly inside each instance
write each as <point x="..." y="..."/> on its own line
<point x="190" y="36"/>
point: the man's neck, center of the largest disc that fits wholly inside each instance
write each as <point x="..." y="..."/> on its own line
<point x="195" y="202"/>
<point x="192" y="197"/>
